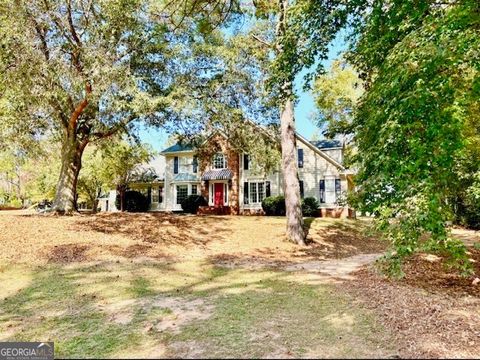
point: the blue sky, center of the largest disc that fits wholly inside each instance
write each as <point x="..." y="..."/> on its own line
<point x="303" y="109"/>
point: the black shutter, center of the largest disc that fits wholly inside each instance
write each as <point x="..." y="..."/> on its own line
<point x="267" y="188"/>
<point x="245" y="192"/>
<point x="246" y="161"/>
<point x="195" y="164"/>
<point x="300" y="158"/>
<point x="301" y="189"/>
<point x="149" y="195"/>
<point x="322" y="191"/>
<point x="175" y="165"/>
<point x="338" y="188"/>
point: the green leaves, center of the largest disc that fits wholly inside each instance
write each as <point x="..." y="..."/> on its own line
<point x="420" y="62"/>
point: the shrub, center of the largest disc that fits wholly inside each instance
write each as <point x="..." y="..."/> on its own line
<point x="274" y="205"/>
<point x="134" y="201"/>
<point x="192" y="202"/>
<point x="310" y="206"/>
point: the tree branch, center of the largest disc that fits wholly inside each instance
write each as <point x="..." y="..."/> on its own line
<point x="261" y="40"/>
<point x="80" y="107"/>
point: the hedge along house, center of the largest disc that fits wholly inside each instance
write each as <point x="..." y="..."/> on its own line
<point x="231" y="185"/>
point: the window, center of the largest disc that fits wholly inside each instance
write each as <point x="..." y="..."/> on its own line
<point x="338" y="189"/>
<point x="175" y="165"/>
<point x="182" y="193"/>
<point x="194" y="190"/>
<point x="254" y="192"/>
<point x="301" y="188"/>
<point x="330" y="191"/>
<point x="322" y="191"/>
<point x="219" y="161"/>
<point x="155" y="195"/>
<point x="246" y="161"/>
<point x="195" y="164"/>
<point x="300" y="158"/>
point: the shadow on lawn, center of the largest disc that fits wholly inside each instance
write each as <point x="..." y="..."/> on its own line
<point x="156" y="228"/>
<point x="110" y="310"/>
<point x="335" y="239"/>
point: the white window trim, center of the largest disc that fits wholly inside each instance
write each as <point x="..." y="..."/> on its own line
<point x="225" y="165"/>
<point x="256" y="182"/>
<point x="211" y="188"/>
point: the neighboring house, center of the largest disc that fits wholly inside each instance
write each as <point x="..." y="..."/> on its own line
<point x="230" y="185"/>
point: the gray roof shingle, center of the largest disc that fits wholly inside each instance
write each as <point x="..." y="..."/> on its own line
<point x="327" y="144"/>
<point x="178" y="147"/>
<point x="217" y="174"/>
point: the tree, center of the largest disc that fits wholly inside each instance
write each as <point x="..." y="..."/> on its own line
<point x="120" y="165"/>
<point x="336" y="96"/>
<point x="421" y="67"/>
<point x="82" y="70"/>
<point x="297" y="39"/>
<point x="304" y="29"/>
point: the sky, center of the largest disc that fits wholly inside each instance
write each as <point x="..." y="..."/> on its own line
<point x="304" y="108"/>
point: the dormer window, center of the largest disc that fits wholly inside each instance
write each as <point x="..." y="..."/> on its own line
<point x="219" y="161"/>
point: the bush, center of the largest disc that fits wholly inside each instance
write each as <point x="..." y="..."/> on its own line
<point x="274" y="205"/>
<point x="310" y="206"/>
<point x="192" y="202"/>
<point x="134" y="201"/>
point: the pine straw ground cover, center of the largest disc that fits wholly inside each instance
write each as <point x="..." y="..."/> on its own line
<point x="433" y="311"/>
<point x="161" y="285"/>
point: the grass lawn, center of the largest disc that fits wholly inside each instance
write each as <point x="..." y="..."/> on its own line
<point x="158" y="285"/>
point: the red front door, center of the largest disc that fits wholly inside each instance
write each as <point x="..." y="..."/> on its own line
<point x="218" y="194"/>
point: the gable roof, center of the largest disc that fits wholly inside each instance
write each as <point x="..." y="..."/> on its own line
<point x="316" y="146"/>
<point x="320" y="152"/>
<point x="327" y="144"/>
<point x="178" y="147"/>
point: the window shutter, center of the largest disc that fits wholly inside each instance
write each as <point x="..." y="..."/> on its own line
<point x="246" y="161"/>
<point x="301" y="189"/>
<point x="149" y="195"/>
<point x="175" y="165"/>
<point x="267" y="189"/>
<point x="195" y="164"/>
<point x="338" y="188"/>
<point x="322" y="191"/>
<point x="245" y="192"/>
<point x="300" y="158"/>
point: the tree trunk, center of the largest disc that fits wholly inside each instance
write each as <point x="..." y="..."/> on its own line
<point x="66" y="194"/>
<point x="122" y="189"/>
<point x="295" y="231"/>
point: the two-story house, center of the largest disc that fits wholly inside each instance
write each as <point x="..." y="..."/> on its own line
<point x="230" y="186"/>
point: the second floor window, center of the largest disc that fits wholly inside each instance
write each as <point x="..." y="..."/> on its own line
<point x="175" y="165"/>
<point x="300" y="158"/>
<point x="219" y="161"/>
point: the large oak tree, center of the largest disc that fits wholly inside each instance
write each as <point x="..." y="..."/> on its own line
<point x="82" y="70"/>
